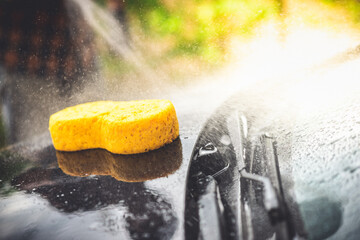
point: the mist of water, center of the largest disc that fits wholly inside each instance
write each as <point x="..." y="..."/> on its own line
<point x="272" y="60"/>
<point x="111" y="31"/>
<point x="275" y="56"/>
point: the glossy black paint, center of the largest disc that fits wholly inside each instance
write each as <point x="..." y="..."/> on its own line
<point x="146" y="209"/>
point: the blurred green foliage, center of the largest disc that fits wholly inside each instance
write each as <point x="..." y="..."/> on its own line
<point x="188" y="35"/>
<point x="201" y="28"/>
<point x="352" y="7"/>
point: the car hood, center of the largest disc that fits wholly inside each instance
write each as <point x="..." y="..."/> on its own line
<point x="313" y="118"/>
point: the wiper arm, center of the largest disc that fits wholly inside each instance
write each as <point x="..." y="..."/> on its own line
<point x="263" y="167"/>
<point x="270" y="198"/>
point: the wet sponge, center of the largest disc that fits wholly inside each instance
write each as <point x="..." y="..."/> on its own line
<point x="119" y="127"/>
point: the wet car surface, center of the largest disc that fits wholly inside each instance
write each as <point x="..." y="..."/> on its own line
<point x="317" y="149"/>
<point x="40" y="201"/>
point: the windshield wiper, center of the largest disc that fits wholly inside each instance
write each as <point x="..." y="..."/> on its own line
<point x="234" y="189"/>
<point x="262" y="167"/>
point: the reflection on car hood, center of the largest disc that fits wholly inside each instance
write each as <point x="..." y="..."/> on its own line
<point x="127" y="168"/>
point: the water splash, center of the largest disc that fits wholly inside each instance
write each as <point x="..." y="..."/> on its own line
<point x="112" y="31"/>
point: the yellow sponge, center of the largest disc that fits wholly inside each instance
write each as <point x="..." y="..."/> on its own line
<point x="119" y="127"/>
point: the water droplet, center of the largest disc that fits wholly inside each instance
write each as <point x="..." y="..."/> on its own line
<point x="225" y="139"/>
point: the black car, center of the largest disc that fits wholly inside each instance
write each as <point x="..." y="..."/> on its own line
<point x="274" y="161"/>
